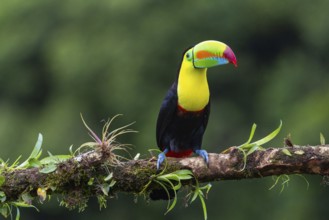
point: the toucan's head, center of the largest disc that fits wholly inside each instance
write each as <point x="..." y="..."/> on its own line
<point x="208" y="54"/>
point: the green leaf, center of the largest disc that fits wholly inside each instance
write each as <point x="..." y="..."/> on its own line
<point x="15" y="162"/>
<point x="91" y="181"/>
<point x="252" y="150"/>
<point x="299" y="152"/>
<point x="183" y="172"/>
<point x="108" y="177"/>
<point x="269" y="137"/>
<point x="286" y="152"/>
<point x="18" y="214"/>
<point x="24" y="205"/>
<point x="33" y="162"/>
<point x="178" y="175"/>
<point x="173" y="182"/>
<point x="2" y="196"/>
<point x="55" y="159"/>
<point x="113" y="182"/>
<point x="166" y="178"/>
<point x="195" y="195"/>
<point x="285" y="180"/>
<point x="173" y="204"/>
<point x="48" y="168"/>
<point x="36" y="153"/>
<point x="137" y="156"/>
<point x="257" y="144"/>
<point x="105" y="188"/>
<point x="27" y="198"/>
<point x="169" y="176"/>
<point x="322" y="139"/>
<point x="275" y="183"/>
<point x="204" y="207"/>
<point x="184" y="177"/>
<point x="209" y="186"/>
<point x="71" y="150"/>
<point x="4" y="210"/>
<point x="252" y="133"/>
<point x="2" y="180"/>
<point x="199" y="193"/>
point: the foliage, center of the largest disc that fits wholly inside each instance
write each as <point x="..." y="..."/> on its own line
<point x="322" y="139"/>
<point x="285" y="179"/>
<point x="173" y="182"/>
<point x="198" y="192"/>
<point x="248" y="148"/>
<point x="25" y="201"/>
<point x="70" y="200"/>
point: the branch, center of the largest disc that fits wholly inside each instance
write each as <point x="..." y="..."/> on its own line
<point x="229" y="166"/>
<point x="84" y="176"/>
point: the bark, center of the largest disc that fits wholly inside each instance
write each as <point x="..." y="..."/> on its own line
<point x="72" y="178"/>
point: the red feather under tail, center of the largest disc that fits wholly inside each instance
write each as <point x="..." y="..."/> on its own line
<point x="180" y="154"/>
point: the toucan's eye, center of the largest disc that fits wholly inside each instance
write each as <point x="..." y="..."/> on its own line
<point x="188" y="55"/>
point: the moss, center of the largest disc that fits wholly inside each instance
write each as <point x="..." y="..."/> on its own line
<point x="75" y="199"/>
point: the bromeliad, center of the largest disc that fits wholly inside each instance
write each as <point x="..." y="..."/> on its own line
<point x="184" y="112"/>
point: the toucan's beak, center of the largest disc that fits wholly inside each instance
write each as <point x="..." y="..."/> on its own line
<point x="212" y="53"/>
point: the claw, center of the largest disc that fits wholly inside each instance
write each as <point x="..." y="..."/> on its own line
<point x="204" y="155"/>
<point x="161" y="158"/>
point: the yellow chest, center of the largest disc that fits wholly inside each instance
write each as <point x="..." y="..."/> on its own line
<point x="192" y="89"/>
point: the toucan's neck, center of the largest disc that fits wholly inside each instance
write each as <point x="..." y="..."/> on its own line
<point x="192" y="88"/>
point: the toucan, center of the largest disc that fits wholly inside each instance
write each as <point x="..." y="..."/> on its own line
<point x="184" y="112"/>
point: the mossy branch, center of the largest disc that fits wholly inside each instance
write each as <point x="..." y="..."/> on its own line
<point x="96" y="170"/>
<point x="73" y="175"/>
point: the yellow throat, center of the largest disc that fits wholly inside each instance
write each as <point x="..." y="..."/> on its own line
<point x="192" y="89"/>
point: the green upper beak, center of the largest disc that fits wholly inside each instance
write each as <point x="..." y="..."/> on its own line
<point x="212" y="53"/>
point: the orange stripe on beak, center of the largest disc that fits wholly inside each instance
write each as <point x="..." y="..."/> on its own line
<point x="204" y="54"/>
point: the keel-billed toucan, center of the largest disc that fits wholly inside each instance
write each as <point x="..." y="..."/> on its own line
<point x="184" y="112"/>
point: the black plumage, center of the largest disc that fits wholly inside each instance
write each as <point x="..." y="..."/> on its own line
<point x="179" y="130"/>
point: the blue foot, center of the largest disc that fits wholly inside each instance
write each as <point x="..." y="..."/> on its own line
<point x="161" y="158"/>
<point x="203" y="154"/>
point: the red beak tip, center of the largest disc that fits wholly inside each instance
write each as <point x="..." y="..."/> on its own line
<point x="234" y="63"/>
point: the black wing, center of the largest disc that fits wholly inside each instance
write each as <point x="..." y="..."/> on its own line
<point x="196" y="141"/>
<point x="167" y="113"/>
<point x="206" y="115"/>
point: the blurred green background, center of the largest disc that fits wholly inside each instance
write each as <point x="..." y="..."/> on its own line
<point x="102" y="58"/>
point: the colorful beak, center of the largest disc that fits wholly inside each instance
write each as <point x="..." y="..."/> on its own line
<point x="212" y="53"/>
